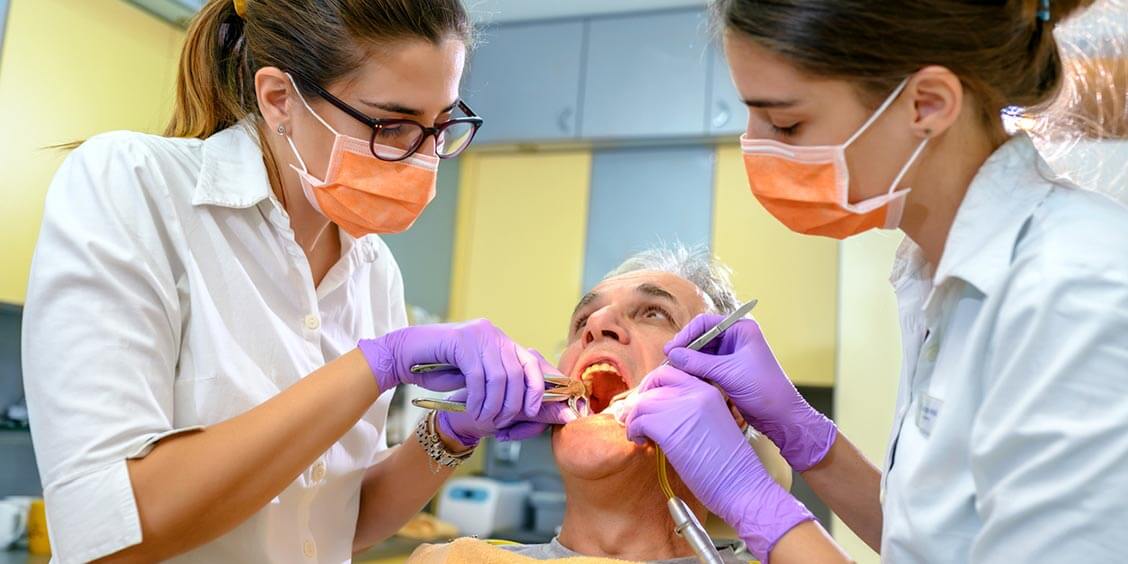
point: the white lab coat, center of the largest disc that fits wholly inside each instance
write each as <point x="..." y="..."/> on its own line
<point x="167" y="293"/>
<point x="1010" y="442"/>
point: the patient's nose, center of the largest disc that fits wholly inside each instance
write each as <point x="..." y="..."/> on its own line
<point x="604" y="324"/>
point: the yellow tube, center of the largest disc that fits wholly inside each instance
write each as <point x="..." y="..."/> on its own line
<point x="663" y="476"/>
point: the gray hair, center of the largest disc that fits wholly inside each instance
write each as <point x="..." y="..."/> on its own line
<point x="695" y="264"/>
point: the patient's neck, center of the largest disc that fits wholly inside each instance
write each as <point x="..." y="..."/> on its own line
<point x="621" y="516"/>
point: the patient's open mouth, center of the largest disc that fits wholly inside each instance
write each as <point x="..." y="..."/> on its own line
<point x="604" y="381"/>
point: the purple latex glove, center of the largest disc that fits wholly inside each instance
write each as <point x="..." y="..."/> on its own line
<point x="689" y="419"/>
<point x="468" y="430"/>
<point x="503" y="381"/>
<point x="741" y="362"/>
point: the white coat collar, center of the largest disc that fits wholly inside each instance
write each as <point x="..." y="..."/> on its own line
<point x="232" y="173"/>
<point x="1008" y="188"/>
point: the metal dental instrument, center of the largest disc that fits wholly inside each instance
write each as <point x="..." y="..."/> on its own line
<point x="708" y="336"/>
<point x="557" y="388"/>
<point x="686" y="524"/>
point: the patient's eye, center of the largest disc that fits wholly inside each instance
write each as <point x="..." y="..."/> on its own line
<point x="656" y="312"/>
<point x="580" y="322"/>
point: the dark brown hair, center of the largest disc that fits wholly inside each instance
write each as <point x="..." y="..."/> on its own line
<point x="321" y="40"/>
<point x="1003" y="51"/>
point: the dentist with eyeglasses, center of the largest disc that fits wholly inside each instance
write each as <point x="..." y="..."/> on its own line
<point x="214" y="329"/>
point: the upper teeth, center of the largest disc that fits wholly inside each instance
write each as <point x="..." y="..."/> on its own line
<point x="598" y="367"/>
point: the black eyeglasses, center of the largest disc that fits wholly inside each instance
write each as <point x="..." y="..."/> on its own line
<point x="397" y="139"/>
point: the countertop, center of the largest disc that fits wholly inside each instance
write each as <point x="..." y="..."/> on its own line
<point x="378" y="555"/>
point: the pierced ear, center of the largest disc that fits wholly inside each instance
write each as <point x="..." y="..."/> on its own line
<point x="937" y="95"/>
<point x="273" y="91"/>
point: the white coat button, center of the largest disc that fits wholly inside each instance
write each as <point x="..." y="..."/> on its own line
<point x="318" y="471"/>
<point x="309" y="549"/>
<point x="312" y="322"/>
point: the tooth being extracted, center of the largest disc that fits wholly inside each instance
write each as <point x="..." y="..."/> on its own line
<point x="580" y="392"/>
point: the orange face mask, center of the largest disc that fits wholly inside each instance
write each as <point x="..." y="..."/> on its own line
<point x="363" y="194"/>
<point x="807" y="188"/>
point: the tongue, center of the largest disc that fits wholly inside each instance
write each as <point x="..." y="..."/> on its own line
<point x="604" y="386"/>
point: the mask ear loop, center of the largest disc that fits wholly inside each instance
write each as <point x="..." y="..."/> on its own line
<point x="905" y="169"/>
<point x="876" y="114"/>
<point x="294" y="148"/>
<point x="290" y="139"/>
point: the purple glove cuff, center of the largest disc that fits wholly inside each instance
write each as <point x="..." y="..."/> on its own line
<point x="804" y="444"/>
<point x="446" y="428"/>
<point x="767" y="519"/>
<point x="380" y="361"/>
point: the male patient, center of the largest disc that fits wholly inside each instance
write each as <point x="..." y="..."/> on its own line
<point x="614" y="506"/>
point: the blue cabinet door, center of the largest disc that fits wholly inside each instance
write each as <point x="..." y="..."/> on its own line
<point x="726" y="114"/>
<point x="642" y="197"/>
<point x="3" y="22"/>
<point x="646" y="75"/>
<point x="525" y="81"/>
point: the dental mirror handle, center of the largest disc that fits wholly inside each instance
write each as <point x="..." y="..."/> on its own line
<point x="708" y="336"/>
<point x="620" y="402"/>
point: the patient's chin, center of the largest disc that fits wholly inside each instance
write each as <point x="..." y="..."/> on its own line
<point x="595" y="447"/>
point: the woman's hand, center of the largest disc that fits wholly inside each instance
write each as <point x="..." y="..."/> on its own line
<point x="503" y="381"/>
<point x="466" y="431"/>
<point x="689" y="419"/>
<point x="741" y="362"/>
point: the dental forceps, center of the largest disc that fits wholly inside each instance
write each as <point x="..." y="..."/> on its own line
<point x="557" y="388"/>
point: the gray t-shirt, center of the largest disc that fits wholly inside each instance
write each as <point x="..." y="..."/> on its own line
<point x="554" y="549"/>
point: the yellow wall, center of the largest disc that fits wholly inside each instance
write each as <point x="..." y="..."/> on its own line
<point x="70" y="69"/>
<point x="794" y="276"/>
<point x="869" y="358"/>
<point x="519" y="243"/>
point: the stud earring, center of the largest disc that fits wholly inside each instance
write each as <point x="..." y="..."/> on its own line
<point x="281" y="129"/>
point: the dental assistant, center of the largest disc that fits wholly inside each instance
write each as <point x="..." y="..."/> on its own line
<point x="1009" y="440"/>
<point x="194" y="380"/>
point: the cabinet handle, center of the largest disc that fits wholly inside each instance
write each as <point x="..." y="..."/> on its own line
<point x="722" y="115"/>
<point x="564" y="120"/>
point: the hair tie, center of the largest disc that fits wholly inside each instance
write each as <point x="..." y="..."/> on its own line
<point x="1043" y="11"/>
<point x="241" y="7"/>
